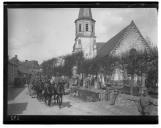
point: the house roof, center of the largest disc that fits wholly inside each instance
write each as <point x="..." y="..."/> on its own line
<point x="28" y="67"/>
<point x="24" y="69"/>
<point x="116" y="40"/>
<point x="99" y="45"/>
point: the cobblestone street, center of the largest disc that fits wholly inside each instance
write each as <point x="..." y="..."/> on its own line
<point x="23" y="104"/>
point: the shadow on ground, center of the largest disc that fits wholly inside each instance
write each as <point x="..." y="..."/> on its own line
<point x="16" y="108"/>
<point x="66" y="104"/>
<point x="13" y="92"/>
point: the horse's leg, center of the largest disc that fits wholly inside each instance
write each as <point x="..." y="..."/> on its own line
<point x="41" y="95"/>
<point x="38" y="95"/>
<point x="50" y="99"/>
<point x="54" y="98"/>
<point x="57" y="97"/>
<point x="60" y="100"/>
<point x="46" y="98"/>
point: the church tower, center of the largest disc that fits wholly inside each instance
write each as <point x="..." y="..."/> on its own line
<point x="85" y="39"/>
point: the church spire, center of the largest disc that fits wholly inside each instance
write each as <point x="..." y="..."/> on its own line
<point x="85" y="38"/>
<point x="85" y="13"/>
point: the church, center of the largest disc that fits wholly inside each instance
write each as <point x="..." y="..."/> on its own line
<point x="129" y="38"/>
<point x="85" y="39"/>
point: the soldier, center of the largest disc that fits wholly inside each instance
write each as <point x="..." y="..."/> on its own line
<point x="60" y="91"/>
<point x="145" y="103"/>
<point x="49" y="92"/>
<point x="114" y="96"/>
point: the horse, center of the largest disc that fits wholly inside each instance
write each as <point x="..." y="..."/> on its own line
<point x="40" y="90"/>
<point x="54" y="92"/>
<point x="60" y="92"/>
<point x="47" y="93"/>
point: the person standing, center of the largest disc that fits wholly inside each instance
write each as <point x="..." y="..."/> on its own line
<point x="145" y="103"/>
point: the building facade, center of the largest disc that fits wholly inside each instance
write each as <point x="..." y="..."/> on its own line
<point x="85" y="39"/>
<point x="12" y="72"/>
<point x="12" y="69"/>
<point x="18" y="69"/>
<point x="127" y="40"/>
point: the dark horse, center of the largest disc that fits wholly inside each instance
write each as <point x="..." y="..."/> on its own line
<point x="55" y="90"/>
<point x="48" y="94"/>
<point x="60" y="92"/>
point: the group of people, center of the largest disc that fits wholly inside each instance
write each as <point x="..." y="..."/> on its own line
<point x="45" y="89"/>
<point x="48" y="89"/>
<point x="98" y="82"/>
<point x="90" y="81"/>
<point x="145" y="104"/>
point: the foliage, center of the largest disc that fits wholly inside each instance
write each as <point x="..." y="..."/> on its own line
<point x="135" y="63"/>
<point x="144" y="63"/>
<point x="49" y="67"/>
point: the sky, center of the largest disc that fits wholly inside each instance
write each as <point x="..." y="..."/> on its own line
<point x="41" y="34"/>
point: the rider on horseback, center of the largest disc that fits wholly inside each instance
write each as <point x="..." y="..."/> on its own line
<point x="60" y="90"/>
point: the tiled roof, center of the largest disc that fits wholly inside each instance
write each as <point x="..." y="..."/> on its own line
<point x="115" y="41"/>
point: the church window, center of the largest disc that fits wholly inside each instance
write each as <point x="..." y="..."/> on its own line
<point x="79" y="42"/>
<point x="133" y="52"/>
<point x="86" y="27"/>
<point x="79" y="27"/>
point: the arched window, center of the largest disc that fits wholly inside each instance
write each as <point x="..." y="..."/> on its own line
<point x="92" y="27"/>
<point x="86" y="27"/>
<point x="79" y="42"/>
<point x="79" y="27"/>
<point x="133" y="52"/>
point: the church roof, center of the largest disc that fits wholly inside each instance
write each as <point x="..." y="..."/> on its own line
<point x="85" y="13"/>
<point x="116" y="40"/>
<point x="99" y="45"/>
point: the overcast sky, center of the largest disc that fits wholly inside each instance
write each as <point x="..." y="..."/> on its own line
<point x="40" y="34"/>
